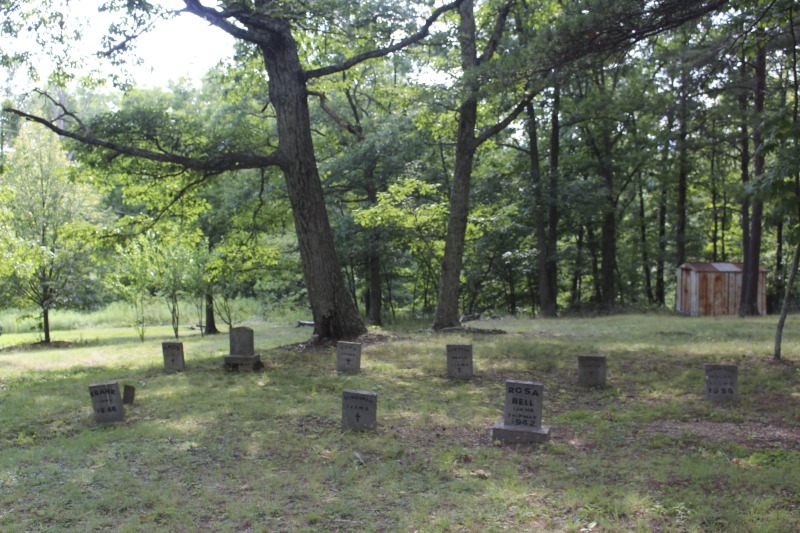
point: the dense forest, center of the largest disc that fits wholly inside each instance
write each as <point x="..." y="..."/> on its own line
<point x="380" y="159"/>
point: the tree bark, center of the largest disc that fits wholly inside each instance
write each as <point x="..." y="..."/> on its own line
<point x="46" y="324"/>
<point x="374" y="270"/>
<point x="749" y="306"/>
<point x="539" y="220"/>
<point x="776" y="354"/>
<point x="744" y="142"/>
<point x="335" y="314"/>
<point x="211" y="322"/>
<point x="447" y="315"/>
<point x="648" y="285"/>
<point x="683" y="168"/>
<point x="553" y="207"/>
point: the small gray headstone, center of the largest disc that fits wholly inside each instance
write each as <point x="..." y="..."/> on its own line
<point x="107" y="402"/>
<point x="243" y="352"/>
<point x="348" y="356"/>
<point x="459" y="361"/>
<point x="721" y="382"/>
<point x="522" y="415"/>
<point x="591" y="371"/>
<point x="359" y="409"/>
<point x="173" y="356"/>
<point x="242" y="342"/>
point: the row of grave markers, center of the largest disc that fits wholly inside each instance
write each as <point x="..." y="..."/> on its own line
<point x="522" y="413"/>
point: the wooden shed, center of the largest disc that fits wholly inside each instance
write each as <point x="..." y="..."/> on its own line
<point x="715" y="289"/>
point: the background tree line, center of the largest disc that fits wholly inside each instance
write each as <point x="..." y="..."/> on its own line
<point x="500" y="156"/>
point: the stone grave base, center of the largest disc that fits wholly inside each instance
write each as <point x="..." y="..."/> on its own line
<point x="520" y="434"/>
<point x="243" y="363"/>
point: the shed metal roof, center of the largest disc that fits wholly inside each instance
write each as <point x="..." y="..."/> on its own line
<point x="715" y="267"/>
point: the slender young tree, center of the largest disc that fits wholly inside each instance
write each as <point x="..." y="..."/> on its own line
<point x="50" y="224"/>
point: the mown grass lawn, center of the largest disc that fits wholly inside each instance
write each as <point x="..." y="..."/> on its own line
<point x="210" y="450"/>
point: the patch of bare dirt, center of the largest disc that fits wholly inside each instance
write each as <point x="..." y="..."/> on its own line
<point x="745" y="434"/>
<point x="53" y="345"/>
<point x="314" y="344"/>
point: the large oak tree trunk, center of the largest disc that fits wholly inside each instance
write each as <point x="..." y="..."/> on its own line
<point x="447" y="305"/>
<point x="334" y="312"/>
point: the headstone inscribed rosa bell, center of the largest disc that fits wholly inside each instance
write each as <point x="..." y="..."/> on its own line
<point x="522" y="414"/>
<point x="459" y="361"/>
<point x="106" y="402"/>
<point x="721" y="382"/>
<point x="591" y="371"/>
<point x="173" y="356"/>
<point x="348" y="356"/>
<point x="243" y="353"/>
<point x="359" y="409"/>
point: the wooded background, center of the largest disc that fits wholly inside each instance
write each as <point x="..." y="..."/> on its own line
<point x="384" y="159"/>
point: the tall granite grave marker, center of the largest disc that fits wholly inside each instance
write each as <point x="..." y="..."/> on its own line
<point x="522" y="415"/>
<point x="242" y="341"/>
<point x="359" y="409"/>
<point x="348" y="356"/>
<point x="173" y="357"/>
<point x="591" y="371"/>
<point x="721" y="383"/>
<point x="107" y="402"/>
<point x="459" y="361"/>
<point x="243" y="355"/>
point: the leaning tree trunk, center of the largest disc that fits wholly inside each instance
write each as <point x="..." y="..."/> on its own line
<point x="776" y="354"/>
<point x="334" y="312"/>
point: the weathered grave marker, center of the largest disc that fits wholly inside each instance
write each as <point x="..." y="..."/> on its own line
<point x="128" y="394"/>
<point x="173" y="357"/>
<point x="591" y="371"/>
<point x="243" y="353"/>
<point x="241" y="341"/>
<point x="106" y="402"/>
<point x="359" y="409"/>
<point x="721" y="382"/>
<point x="348" y="356"/>
<point x="522" y="415"/>
<point x="459" y="361"/>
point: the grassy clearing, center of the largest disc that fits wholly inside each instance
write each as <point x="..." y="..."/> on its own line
<point x="208" y="450"/>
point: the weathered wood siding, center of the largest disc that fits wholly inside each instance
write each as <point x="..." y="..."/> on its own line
<point x="714" y="289"/>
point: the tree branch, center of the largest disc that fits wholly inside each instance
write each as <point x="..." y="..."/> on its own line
<point x="220" y="20"/>
<point x="381" y="52"/>
<point x="212" y="165"/>
<point x="491" y="131"/>
<point x="345" y="125"/>
<point x="497" y="33"/>
<point x="616" y="30"/>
